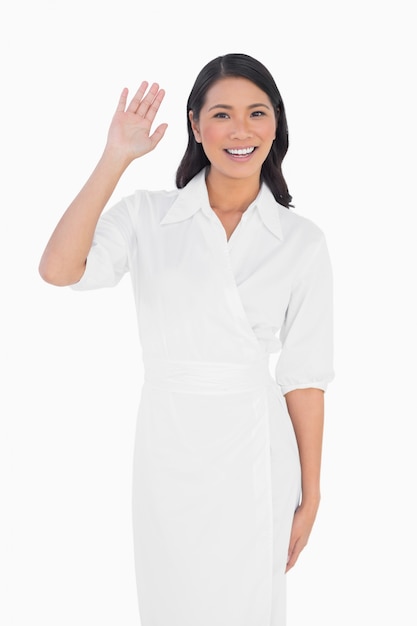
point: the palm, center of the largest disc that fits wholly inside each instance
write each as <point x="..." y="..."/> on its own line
<point x="130" y="129"/>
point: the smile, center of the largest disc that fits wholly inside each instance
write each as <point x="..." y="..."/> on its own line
<point x="240" y="151"/>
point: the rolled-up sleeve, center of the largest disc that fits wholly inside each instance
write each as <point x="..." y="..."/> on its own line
<point x="306" y="358"/>
<point x="108" y="258"/>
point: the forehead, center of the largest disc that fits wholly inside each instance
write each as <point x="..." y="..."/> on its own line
<point x="233" y="90"/>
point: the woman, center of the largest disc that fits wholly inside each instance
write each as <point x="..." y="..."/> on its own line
<point x="226" y="481"/>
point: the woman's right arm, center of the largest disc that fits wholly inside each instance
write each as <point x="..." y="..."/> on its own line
<point x="64" y="258"/>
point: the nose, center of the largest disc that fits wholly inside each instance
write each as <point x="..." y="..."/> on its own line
<point x="241" y="129"/>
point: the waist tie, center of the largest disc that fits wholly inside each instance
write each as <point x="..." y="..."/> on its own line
<point x="207" y="376"/>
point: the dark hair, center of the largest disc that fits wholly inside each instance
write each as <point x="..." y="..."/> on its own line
<point x="243" y="66"/>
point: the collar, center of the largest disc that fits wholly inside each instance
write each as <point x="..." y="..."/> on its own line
<point x="194" y="197"/>
<point x="189" y="200"/>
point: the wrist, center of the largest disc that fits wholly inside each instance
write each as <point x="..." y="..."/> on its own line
<point x="115" y="158"/>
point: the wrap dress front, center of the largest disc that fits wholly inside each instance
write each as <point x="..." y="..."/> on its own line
<point x="216" y="476"/>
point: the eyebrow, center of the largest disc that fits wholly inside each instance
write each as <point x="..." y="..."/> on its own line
<point x="228" y="107"/>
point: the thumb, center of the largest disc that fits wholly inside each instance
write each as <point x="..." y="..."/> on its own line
<point x="158" y="133"/>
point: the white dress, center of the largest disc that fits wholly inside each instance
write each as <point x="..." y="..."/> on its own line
<point x="216" y="468"/>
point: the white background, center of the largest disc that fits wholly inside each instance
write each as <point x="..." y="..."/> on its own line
<point x="71" y="364"/>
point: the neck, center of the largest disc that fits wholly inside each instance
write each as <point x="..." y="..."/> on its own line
<point x="231" y="194"/>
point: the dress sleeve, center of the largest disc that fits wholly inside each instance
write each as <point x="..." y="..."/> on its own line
<point x="108" y="258"/>
<point x="306" y="358"/>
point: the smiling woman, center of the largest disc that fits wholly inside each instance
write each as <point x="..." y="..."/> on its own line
<point x="236" y="136"/>
<point x="226" y="480"/>
<point x="257" y="86"/>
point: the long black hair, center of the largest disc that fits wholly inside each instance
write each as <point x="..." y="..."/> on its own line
<point x="242" y="66"/>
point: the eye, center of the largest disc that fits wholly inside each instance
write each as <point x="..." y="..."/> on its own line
<point x="221" y="116"/>
<point x="258" y="113"/>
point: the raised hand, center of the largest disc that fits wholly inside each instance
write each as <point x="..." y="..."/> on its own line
<point x="130" y="134"/>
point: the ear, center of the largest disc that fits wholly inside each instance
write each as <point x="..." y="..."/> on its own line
<point x="194" y="127"/>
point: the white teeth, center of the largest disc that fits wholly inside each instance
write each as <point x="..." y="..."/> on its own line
<point x="241" y="151"/>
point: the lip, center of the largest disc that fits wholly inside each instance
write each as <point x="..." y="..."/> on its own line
<point x="240" y="157"/>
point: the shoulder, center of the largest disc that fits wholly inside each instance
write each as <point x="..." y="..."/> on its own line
<point x="305" y="241"/>
<point x="296" y="226"/>
<point x="292" y="229"/>
<point x="143" y="208"/>
<point x="149" y="202"/>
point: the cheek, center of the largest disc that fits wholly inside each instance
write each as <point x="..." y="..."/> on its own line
<point x="268" y="141"/>
<point x="211" y="135"/>
<point x="270" y="131"/>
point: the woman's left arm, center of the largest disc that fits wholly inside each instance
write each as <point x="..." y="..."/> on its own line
<point x="306" y="409"/>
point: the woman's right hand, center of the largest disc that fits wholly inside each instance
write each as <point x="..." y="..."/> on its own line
<point x="129" y="135"/>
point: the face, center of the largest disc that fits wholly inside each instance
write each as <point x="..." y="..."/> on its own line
<point x="236" y="127"/>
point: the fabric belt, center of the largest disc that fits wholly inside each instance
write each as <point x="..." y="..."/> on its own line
<point x="207" y="376"/>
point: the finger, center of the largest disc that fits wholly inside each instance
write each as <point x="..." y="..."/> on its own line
<point x="158" y="134"/>
<point x="122" y="100"/>
<point x="137" y="98"/>
<point x="290" y="553"/>
<point x="153" y="108"/>
<point x="295" y="551"/>
<point x="292" y="557"/>
<point x="150" y="103"/>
